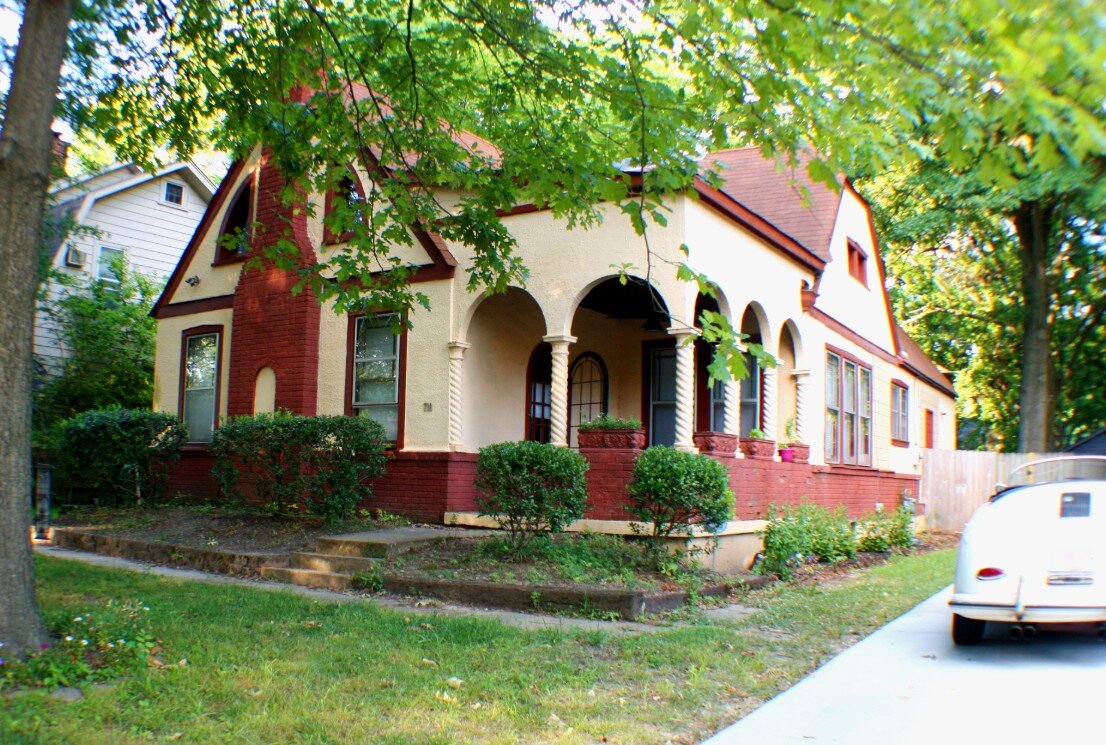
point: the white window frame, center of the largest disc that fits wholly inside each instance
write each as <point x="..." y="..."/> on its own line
<point x="183" y="195"/>
<point x="900" y="413"/>
<point x="214" y="387"/>
<point x="379" y="320"/>
<point x="112" y="280"/>
<point x="854" y="444"/>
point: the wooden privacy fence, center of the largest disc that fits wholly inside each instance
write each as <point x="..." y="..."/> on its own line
<point x="955" y="482"/>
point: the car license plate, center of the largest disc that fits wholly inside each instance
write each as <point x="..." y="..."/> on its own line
<point x="1070" y="578"/>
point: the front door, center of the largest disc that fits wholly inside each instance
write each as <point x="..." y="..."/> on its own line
<point x="662" y="396"/>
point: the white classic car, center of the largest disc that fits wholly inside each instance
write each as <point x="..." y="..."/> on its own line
<point x="1035" y="552"/>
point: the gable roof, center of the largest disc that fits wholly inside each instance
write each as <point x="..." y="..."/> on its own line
<point x="82" y="194"/>
<point x="1092" y="444"/>
<point x="915" y="360"/>
<point x="775" y="191"/>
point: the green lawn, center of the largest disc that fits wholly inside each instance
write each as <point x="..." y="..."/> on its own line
<point x="272" y="667"/>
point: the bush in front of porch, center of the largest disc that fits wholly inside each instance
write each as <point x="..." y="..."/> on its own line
<point x="677" y="492"/>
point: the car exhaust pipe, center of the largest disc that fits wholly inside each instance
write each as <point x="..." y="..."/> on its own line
<point x="1016" y="632"/>
<point x="1029" y="632"/>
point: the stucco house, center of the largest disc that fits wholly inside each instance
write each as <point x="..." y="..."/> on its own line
<point x="147" y="218"/>
<point x="799" y="272"/>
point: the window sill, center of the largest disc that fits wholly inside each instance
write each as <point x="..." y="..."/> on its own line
<point x="900" y="443"/>
<point x="195" y="447"/>
<point x="850" y="467"/>
<point x="231" y="260"/>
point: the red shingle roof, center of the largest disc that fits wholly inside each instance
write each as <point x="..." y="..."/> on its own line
<point x="775" y="192"/>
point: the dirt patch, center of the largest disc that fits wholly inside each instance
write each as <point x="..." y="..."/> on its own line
<point x="217" y="528"/>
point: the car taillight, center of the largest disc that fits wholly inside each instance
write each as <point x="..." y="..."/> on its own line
<point x="990" y="573"/>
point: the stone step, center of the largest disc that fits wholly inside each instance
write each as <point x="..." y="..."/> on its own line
<point x="384" y="543"/>
<point x="335" y="563"/>
<point x="307" y="577"/>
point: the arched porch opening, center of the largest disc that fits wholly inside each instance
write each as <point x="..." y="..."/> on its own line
<point x="502" y="336"/>
<point x="622" y="361"/>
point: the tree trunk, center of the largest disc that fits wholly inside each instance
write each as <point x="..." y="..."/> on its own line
<point x="26" y="146"/>
<point x="1033" y="223"/>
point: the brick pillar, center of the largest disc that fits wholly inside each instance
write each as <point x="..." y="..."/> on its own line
<point x="273" y="328"/>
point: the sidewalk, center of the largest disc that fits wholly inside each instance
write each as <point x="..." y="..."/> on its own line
<point x="907" y="684"/>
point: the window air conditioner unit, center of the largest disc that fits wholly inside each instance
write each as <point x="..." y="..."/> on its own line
<point x="75" y="257"/>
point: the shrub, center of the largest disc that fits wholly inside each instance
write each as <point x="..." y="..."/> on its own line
<point x="884" y="530"/>
<point x="529" y="487"/>
<point x="794" y="534"/>
<point x="676" y="491"/>
<point x="606" y="421"/>
<point x="757" y="434"/>
<point x="121" y="455"/>
<point x="310" y="463"/>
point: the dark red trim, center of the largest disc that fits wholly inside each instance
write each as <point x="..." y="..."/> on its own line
<point x="846" y="356"/>
<point x="858" y="262"/>
<point x="222" y="256"/>
<point x="329" y="239"/>
<point x="521" y="209"/>
<point x="184" y="336"/>
<point x="900" y="383"/>
<point x="930" y="432"/>
<point x="188" y="307"/>
<point x="542" y="348"/>
<point x="868" y="346"/>
<point x="900" y="443"/>
<point x="647" y="348"/>
<point x="401" y="397"/>
<point x="742" y="215"/>
<point x="202" y="229"/>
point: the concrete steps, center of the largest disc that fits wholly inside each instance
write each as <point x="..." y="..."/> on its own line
<point x="307" y="577"/>
<point x="381" y="544"/>
<point x="337" y="558"/>
<point x="333" y="563"/>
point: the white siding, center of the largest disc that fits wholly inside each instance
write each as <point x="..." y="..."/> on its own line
<point x="152" y="234"/>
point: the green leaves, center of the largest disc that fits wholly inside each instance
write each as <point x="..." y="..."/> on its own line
<point x="531" y="487"/>
<point x="677" y="492"/>
<point x="294" y="464"/>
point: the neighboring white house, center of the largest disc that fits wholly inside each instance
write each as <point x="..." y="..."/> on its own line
<point x="148" y="218"/>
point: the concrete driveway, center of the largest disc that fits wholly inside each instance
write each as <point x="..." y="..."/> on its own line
<point x="908" y="684"/>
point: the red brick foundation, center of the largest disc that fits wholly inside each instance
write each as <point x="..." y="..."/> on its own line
<point x="425" y="486"/>
<point x="758" y="483"/>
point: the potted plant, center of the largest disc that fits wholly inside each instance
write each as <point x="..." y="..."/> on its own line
<point x="757" y="444"/>
<point x="606" y="431"/>
<point x="792" y="449"/>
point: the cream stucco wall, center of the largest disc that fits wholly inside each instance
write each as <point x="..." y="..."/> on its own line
<point x="862" y="309"/>
<point x="167" y="358"/>
<point x="214" y="280"/>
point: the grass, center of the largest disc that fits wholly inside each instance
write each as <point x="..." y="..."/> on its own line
<point x="567" y="559"/>
<point x="272" y="667"/>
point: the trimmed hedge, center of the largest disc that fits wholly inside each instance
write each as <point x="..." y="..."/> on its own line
<point x="121" y="455"/>
<point x="530" y="488"/>
<point x="676" y="492"/>
<point x="298" y="464"/>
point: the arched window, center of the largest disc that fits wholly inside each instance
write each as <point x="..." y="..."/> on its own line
<point x="233" y="243"/>
<point x="587" y="392"/>
<point x="539" y="385"/>
<point x="344" y="207"/>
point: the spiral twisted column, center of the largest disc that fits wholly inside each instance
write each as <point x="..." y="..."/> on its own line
<point x="768" y="403"/>
<point x="685" y="387"/>
<point x="456" y="393"/>
<point x="802" y="381"/>
<point x="731" y="420"/>
<point x="558" y="391"/>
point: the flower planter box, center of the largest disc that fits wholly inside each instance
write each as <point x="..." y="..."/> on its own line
<point x="716" y="443"/>
<point x="802" y="453"/>
<point x="754" y="447"/>
<point x="622" y="439"/>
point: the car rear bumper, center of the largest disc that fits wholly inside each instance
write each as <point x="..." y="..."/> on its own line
<point x="1028" y="613"/>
